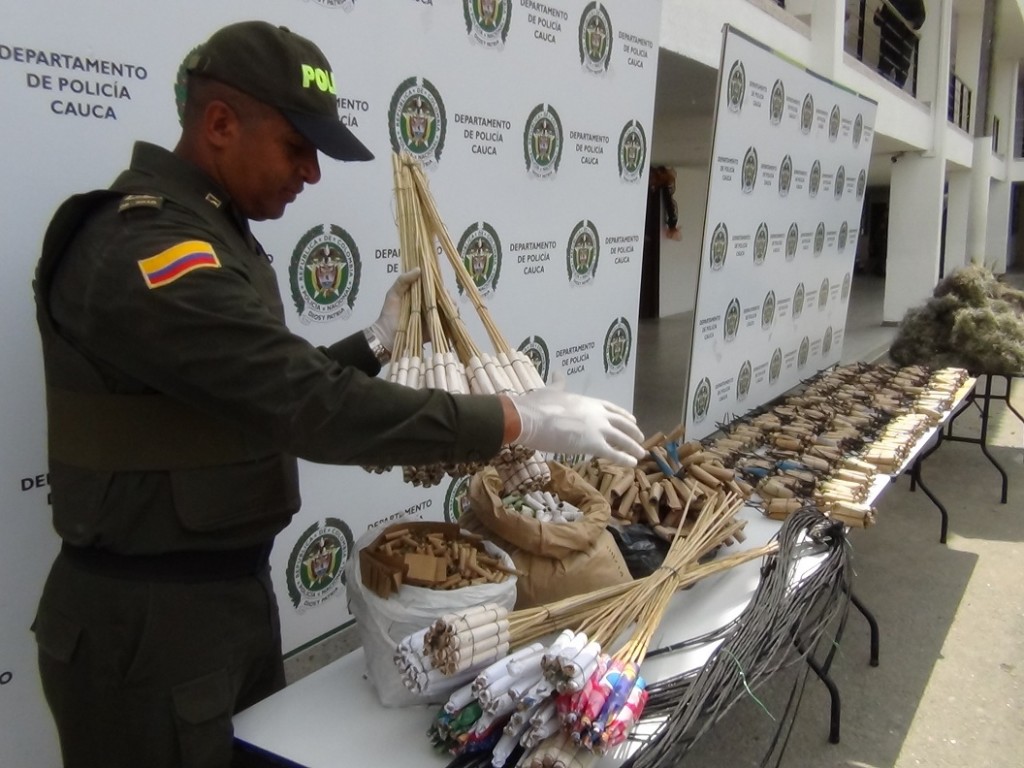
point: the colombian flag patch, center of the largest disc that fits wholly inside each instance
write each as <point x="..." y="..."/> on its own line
<point x="177" y="261"/>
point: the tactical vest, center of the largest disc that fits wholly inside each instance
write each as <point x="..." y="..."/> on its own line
<point x="206" y="483"/>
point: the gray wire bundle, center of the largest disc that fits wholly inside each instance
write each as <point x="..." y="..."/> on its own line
<point x="794" y="605"/>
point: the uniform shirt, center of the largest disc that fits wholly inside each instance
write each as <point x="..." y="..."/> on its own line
<point x="214" y="341"/>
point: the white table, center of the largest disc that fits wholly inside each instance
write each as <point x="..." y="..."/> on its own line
<point x="333" y="717"/>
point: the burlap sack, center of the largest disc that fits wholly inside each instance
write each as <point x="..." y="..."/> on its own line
<point x="560" y="559"/>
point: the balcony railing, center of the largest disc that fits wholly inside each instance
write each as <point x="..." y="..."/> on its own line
<point x="960" y="98"/>
<point x="884" y="35"/>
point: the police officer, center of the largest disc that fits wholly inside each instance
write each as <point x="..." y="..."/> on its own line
<point x="177" y="401"/>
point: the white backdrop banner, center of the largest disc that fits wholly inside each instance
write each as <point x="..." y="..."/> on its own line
<point x="788" y="172"/>
<point x="539" y="118"/>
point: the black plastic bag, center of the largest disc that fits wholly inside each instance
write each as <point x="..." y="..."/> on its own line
<point x="642" y="549"/>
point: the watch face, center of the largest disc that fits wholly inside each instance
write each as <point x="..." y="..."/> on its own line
<point x="376" y="347"/>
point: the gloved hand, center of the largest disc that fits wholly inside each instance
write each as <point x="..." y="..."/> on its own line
<point x="554" y="421"/>
<point x="386" y="325"/>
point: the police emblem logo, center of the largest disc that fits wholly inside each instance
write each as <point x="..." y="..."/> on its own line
<point x="785" y="175"/>
<point x="455" y="499"/>
<point x="618" y="343"/>
<point x="844" y="233"/>
<point x="777" y="103"/>
<point x="582" y="253"/>
<point x="835" y="119"/>
<point x="799" y="296"/>
<point x="823" y="294"/>
<point x="737" y="86"/>
<point x="792" y="241"/>
<point x="819" y="238"/>
<point x="632" y="152"/>
<point x="743" y="381"/>
<point x="595" y="38"/>
<point x="862" y="182"/>
<point x="858" y="129"/>
<point x="701" y="402"/>
<point x="535" y="348"/>
<point x="487" y="21"/>
<point x="324" y="273"/>
<point x="768" y="310"/>
<point x="846" y="286"/>
<point x="719" y="247"/>
<point x="826" y="341"/>
<point x="542" y="141"/>
<point x="814" y="182"/>
<point x="480" y="249"/>
<point x="761" y="243"/>
<point x="801" y="355"/>
<point x="316" y="565"/>
<point x="807" y="114"/>
<point x="732" y="320"/>
<point x="775" y="366"/>
<point x="748" y="174"/>
<point x="840" y="182"/>
<point x="417" y="120"/>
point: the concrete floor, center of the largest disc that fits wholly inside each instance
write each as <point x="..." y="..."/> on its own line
<point x="948" y="691"/>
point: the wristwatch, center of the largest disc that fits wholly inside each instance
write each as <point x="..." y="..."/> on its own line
<point x="379" y="350"/>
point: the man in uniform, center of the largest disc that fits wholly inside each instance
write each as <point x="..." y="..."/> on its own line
<point x="177" y="400"/>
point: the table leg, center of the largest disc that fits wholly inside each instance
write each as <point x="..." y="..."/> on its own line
<point x="915" y="481"/>
<point x="833" y="692"/>
<point x="985" y="411"/>
<point x="872" y="624"/>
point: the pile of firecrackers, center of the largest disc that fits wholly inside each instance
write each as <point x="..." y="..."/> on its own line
<point x="565" y="704"/>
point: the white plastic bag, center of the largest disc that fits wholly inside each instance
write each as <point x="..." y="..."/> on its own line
<point x="382" y="624"/>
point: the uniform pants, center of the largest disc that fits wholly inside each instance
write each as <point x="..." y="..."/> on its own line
<point x="142" y="674"/>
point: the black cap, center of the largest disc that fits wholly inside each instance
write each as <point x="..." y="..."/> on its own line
<point x="286" y="71"/>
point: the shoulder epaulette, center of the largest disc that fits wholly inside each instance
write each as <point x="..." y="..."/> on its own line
<point x="131" y="202"/>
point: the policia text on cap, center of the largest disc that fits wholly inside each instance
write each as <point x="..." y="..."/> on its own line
<point x="177" y="401"/>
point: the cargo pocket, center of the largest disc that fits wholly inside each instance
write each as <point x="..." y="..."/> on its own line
<point x="56" y="635"/>
<point x="202" y="710"/>
<point x="262" y="493"/>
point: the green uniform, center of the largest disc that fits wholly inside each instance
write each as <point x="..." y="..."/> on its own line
<point x="177" y="402"/>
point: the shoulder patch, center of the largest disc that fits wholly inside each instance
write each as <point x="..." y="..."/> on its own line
<point x="128" y="202"/>
<point x="177" y="261"/>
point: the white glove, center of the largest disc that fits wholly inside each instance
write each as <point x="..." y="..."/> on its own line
<point x="386" y="326"/>
<point x="555" y="421"/>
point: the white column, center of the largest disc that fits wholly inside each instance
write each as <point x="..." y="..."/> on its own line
<point x="977" y="211"/>
<point x="968" y="45"/>
<point x="998" y="240"/>
<point x="917" y="183"/>
<point x="957" y="201"/>
<point x="828" y="30"/>
<point x="915" y="228"/>
<point x="933" y="55"/>
<point x="1003" y="104"/>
